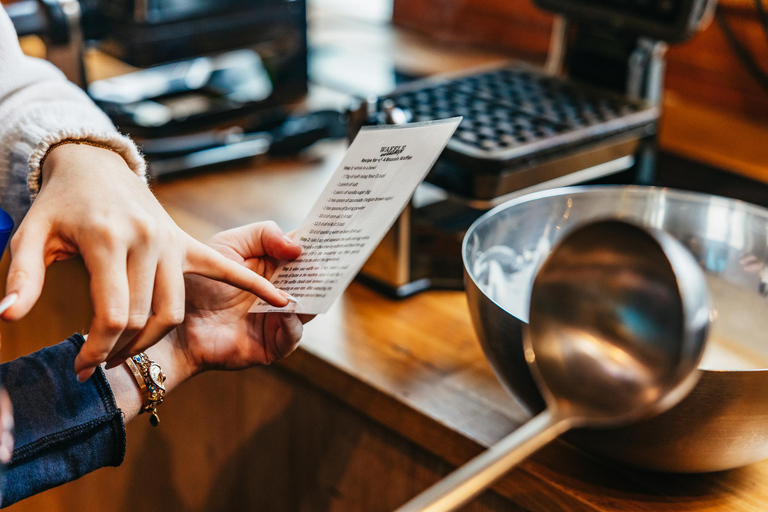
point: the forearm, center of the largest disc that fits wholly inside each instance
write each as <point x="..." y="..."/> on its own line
<point x="64" y="429"/>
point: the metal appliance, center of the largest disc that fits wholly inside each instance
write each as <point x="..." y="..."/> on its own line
<point x="591" y="112"/>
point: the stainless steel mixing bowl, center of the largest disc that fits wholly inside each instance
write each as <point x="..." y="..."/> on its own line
<point x="723" y="423"/>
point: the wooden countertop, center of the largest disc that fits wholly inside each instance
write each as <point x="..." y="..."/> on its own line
<point x="415" y="365"/>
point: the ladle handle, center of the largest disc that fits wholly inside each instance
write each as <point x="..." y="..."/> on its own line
<point x="472" y="478"/>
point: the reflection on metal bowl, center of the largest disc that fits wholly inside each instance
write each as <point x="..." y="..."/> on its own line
<point x="722" y="423"/>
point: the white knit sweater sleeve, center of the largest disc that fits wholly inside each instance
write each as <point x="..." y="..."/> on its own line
<point x="38" y="108"/>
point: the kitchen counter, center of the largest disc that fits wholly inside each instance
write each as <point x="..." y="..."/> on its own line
<point x="407" y="377"/>
<point x="381" y="399"/>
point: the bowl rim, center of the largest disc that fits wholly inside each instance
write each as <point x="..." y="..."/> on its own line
<point x="580" y="189"/>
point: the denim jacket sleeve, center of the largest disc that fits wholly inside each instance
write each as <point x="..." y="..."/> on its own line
<point x="64" y="428"/>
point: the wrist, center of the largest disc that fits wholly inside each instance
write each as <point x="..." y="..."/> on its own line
<point x="67" y="157"/>
<point x="125" y="387"/>
<point x="171" y="357"/>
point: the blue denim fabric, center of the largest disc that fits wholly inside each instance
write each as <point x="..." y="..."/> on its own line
<point x="64" y="429"/>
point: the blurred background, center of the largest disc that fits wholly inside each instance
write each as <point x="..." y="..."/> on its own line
<point x="244" y="107"/>
<point x="716" y="91"/>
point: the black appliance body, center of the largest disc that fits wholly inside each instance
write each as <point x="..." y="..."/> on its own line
<point x="201" y="62"/>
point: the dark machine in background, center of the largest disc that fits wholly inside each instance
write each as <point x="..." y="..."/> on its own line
<point x="202" y="63"/>
<point x="204" y="60"/>
<point x="672" y="21"/>
<point x="591" y="112"/>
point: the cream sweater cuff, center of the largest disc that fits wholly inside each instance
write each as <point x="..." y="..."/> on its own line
<point x="121" y="144"/>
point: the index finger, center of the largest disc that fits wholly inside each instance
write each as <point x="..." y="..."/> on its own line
<point x="204" y="261"/>
<point x="110" y="296"/>
<point x="26" y="273"/>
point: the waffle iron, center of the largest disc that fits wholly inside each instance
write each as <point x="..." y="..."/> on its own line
<point x="590" y="113"/>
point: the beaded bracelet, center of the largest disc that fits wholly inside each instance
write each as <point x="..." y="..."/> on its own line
<point x="151" y="380"/>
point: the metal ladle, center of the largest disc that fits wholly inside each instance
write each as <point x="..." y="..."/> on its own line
<point x="617" y="325"/>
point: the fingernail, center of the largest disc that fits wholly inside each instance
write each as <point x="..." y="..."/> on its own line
<point x="84" y="375"/>
<point x="5" y="454"/>
<point x="8" y="301"/>
<point x="289" y="240"/>
<point x="288" y="296"/>
<point x="114" y="363"/>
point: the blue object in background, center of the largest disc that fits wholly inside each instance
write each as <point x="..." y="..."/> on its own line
<point x="6" y="227"/>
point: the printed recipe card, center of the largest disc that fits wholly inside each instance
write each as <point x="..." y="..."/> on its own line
<point x="372" y="185"/>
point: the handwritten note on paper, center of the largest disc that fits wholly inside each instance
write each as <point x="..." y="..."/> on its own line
<point x="376" y="178"/>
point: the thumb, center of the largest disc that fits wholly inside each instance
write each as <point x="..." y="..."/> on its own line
<point x="279" y="245"/>
<point x="256" y="240"/>
<point x="289" y="333"/>
<point x="26" y="273"/>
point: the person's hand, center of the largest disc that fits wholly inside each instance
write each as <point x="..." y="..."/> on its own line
<point x="218" y="332"/>
<point x="92" y="204"/>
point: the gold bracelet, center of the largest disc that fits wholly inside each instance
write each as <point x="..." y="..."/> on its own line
<point x="151" y="380"/>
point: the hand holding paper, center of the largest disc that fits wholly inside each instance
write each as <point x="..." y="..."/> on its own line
<point x="368" y="190"/>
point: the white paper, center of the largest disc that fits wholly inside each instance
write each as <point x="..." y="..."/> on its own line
<point x="371" y="186"/>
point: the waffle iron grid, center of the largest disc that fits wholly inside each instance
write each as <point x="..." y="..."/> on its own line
<point x="520" y="112"/>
